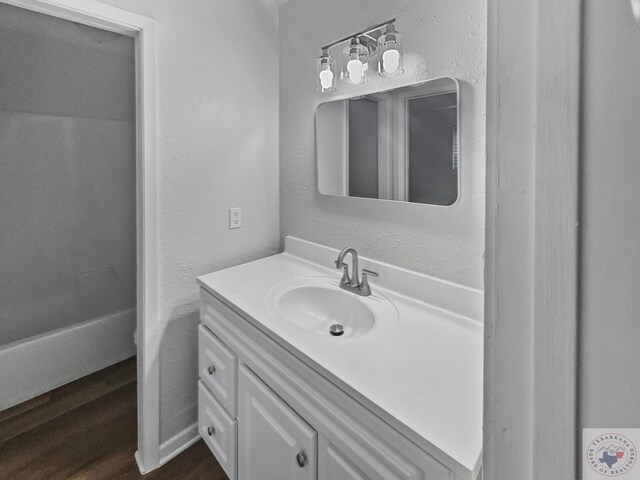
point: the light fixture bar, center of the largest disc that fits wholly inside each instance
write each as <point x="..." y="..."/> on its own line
<point x="359" y="34"/>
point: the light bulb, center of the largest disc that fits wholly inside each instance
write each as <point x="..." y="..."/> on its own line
<point x="356" y="71"/>
<point x="391" y="60"/>
<point x="326" y="75"/>
<point x="326" y="78"/>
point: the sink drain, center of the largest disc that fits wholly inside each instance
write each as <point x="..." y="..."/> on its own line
<point x="336" y="329"/>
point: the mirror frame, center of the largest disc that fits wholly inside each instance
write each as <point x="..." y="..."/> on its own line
<point x="348" y="96"/>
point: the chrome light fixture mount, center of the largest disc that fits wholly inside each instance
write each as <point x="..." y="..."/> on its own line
<point x="378" y="45"/>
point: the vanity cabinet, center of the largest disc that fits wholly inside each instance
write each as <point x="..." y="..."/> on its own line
<point x="268" y="415"/>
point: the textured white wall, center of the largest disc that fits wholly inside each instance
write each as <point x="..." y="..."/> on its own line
<point x="610" y="306"/>
<point x="441" y="38"/>
<point x="218" y="148"/>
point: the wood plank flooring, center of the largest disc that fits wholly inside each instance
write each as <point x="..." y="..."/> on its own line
<point x="86" y="430"/>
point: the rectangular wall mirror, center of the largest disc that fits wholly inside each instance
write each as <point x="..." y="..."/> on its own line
<point x="400" y="144"/>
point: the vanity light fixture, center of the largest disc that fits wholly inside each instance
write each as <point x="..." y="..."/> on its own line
<point x="379" y="44"/>
<point x="390" y="54"/>
<point x="326" y="69"/>
<point x="357" y="63"/>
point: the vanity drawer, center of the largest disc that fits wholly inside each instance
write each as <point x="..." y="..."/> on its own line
<point x="218" y="430"/>
<point x="218" y="369"/>
<point x="214" y="313"/>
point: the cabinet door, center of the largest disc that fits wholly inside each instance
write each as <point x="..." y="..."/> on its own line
<point x="349" y="459"/>
<point x="273" y="441"/>
<point x="334" y="465"/>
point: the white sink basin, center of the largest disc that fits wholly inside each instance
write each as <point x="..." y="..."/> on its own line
<point x="315" y="304"/>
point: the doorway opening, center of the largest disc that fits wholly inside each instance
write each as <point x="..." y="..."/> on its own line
<point x="77" y="135"/>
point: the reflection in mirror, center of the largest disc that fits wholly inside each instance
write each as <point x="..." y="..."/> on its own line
<point x="400" y="144"/>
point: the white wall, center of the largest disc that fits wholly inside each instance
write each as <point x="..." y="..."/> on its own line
<point x="67" y="175"/>
<point x="218" y="148"/>
<point x="441" y="38"/>
<point x="610" y="304"/>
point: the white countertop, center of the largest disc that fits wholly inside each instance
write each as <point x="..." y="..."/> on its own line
<point x="425" y="374"/>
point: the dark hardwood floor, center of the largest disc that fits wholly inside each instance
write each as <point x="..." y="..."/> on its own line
<point x="86" y="430"/>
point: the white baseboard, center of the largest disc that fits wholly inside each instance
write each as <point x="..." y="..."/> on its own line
<point x="179" y="443"/>
<point x="42" y="363"/>
<point x="143" y="470"/>
<point x="171" y="448"/>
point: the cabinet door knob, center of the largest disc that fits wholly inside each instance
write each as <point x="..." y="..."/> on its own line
<point x="212" y="369"/>
<point x="211" y="430"/>
<point x="301" y="458"/>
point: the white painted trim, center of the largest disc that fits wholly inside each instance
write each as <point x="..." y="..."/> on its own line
<point x="179" y="443"/>
<point x="149" y="346"/>
<point x="142" y="29"/>
<point x="385" y="145"/>
<point x="531" y="239"/>
<point x="41" y="363"/>
<point x="346" y="138"/>
<point x="555" y="290"/>
<point x="141" y="467"/>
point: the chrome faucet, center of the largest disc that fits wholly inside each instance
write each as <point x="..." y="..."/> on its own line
<point x="351" y="282"/>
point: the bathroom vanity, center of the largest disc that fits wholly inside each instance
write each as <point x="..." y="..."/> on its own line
<point x="396" y="395"/>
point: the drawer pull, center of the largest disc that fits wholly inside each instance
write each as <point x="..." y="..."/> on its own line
<point x="211" y="430"/>
<point x="211" y="369"/>
<point x="301" y="458"/>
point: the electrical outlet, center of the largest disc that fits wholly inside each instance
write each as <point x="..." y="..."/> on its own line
<point x="235" y="217"/>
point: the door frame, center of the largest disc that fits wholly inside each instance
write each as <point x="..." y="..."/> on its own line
<point x="143" y="31"/>
<point x="532" y="214"/>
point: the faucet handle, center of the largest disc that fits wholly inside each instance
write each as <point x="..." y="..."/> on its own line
<point x="365" y="289"/>
<point x="371" y="273"/>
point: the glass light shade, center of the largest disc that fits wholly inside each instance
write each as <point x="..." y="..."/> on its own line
<point x="356" y="64"/>
<point x="326" y="73"/>
<point x="390" y="53"/>
<point x="635" y="5"/>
